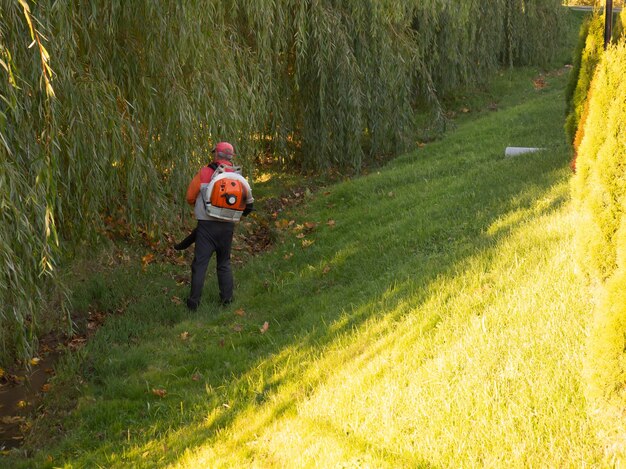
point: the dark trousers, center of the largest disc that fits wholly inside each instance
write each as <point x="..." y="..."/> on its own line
<point x="212" y="236"/>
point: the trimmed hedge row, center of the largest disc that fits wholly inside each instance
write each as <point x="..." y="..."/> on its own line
<point x="585" y="59"/>
<point x="599" y="195"/>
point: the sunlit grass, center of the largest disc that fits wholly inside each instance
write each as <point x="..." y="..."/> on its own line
<point x="434" y="319"/>
<point x="479" y="368"/>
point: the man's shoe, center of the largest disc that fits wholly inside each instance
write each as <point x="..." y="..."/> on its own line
<point x="226" y="302"/>
<point x="191" y="305"/>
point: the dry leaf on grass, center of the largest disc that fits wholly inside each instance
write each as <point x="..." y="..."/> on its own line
<point x="147" y="259"/>
<point x="539" y="83"/>
<point x="159" y="392"/>
<point x="176" y="300"/>
<point x="264" y="327"/>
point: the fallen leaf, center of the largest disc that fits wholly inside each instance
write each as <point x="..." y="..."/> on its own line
<point x="147" y="259"/>
<point x="159" y="392"/>
<point x="539" y="83"/>
<point x="281" y="224"/>
<point x="184" y="335"/>
<point x="237" y="328"/>
<point x="11" y="419"/>
<point x="288" y="256"/>
<point x="310" y="225"/>
<point x="22" y="404"/>
<point x="307" y="242"/>
<point x="77" y="343"/>
<point x="176" y="300"/>
<point x="330" y="222"/>
<point x="196" y="377"/>
<point x="390" y="194"/>
<point x="264" y="327"/>
<point x="35" y="361"/>
<point x="300" y="235"/>
<point x="326" y="269"/>
<point x="240" y="312"/>
<point x="46" y="387"/>
<point x="465" y="110"/>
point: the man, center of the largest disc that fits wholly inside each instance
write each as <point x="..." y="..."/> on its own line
<point x="212" y="234"/>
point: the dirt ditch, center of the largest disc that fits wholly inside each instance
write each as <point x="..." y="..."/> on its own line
<point x="21" y="393"/>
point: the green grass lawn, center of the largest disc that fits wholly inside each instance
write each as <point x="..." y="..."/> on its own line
<point x="425" y="315"/>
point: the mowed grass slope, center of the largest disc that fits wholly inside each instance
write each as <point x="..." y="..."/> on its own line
<point x="429" y="317"/>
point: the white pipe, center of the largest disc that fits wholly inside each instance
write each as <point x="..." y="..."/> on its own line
<point x="514" y="151"/>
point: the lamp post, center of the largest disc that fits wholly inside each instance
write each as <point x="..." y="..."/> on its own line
<point x="608" y="22"/>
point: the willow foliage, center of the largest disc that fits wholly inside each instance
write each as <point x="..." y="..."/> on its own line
<point x="119" y="102"/>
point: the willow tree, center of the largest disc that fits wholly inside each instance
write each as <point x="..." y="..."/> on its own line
<point x="118" y="102"/>
<point x="29" y="180"/>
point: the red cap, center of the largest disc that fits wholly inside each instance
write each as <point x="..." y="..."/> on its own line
<point x="224" y="150"/>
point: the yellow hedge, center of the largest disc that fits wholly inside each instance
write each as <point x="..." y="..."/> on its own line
<point x="586" y="56"/>
<point x="599" y="194"/>
<point x="599" y="184"/>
